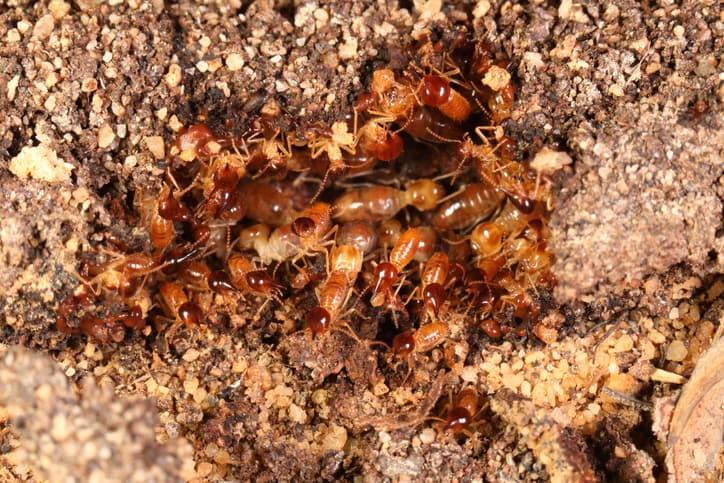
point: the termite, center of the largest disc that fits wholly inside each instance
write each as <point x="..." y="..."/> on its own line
<point x="386" y="273"/>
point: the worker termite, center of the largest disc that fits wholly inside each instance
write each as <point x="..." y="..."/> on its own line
<point x="224" y="201"/>
<point x="178" y="308"/>
<point x="123" y="275"/>
<point x="461" y="413"/>
<point x="248" y="278"/>
<point x="433" y="279"/>
<point x="161" y="231"/>
<point x="170" y="208"/>
<point x="268" y="152"/>
<point x="423" y="339"/>
<point x="436" y="91"/>
<point x="331" y="142"/>
<point x="386" y="273"/>
<point x="395" y="100"/>
<point x="345" y="264"/>
<point x="474" y="203"/>
<point x="313" y="227"/>
<point x="377" y="140"/>
<point x="193" y="142"/>
<point x="378" y="203"/>
<point x="219" y="281"/>
<point x="103" y="329"/>
<point x="492" y="328"/>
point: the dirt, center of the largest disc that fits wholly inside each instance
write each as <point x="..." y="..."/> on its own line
<point x="631" y="92"/>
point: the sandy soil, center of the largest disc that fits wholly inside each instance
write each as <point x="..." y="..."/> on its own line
<point x="92" y="92"/>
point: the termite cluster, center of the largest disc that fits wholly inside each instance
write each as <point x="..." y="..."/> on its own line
<point x="413" y="208"/>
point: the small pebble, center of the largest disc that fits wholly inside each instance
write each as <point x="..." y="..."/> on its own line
<point x="676" y="351"/>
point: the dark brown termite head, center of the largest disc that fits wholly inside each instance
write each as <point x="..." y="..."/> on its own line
<point x="520" y="200"/>
<point x="434" y="90"/>
<point x="128" y="286"/>
<point x="508" y="147"/>
<point x="403" y="344"/>
<point x="226" y="204"/>
<point x="169" y="208"/>
<point x="234" y="209"/>
<point x="220" y="282"/>
<point x="133" y="319"/>
<point x="457" y="420"/>
<point x="434" y="296"/>
<point x="318" y="321"/>
<point x="491" y="328"/>
<point x="385" y="275"/>
<point x="303" y="227"/>
<point x="262" y="282"/>
<point x="389" y="148"/>
<point x="364" y="101"/>
<point x="190" y="314"/>
<point x="461" y="414"/>
<point x="226" y="178"/>
<point x="192" y="142"/>
<point x="698" y="110"/>
<point x="102" y="330"/>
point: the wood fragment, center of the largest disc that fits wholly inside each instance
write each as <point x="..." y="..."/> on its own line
<point x="661" y="375"/>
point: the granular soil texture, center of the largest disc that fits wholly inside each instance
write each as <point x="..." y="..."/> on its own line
<point x="92" y="94"/>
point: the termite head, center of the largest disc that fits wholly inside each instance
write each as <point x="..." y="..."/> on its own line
<point x="434" y="296"/>
<point x="434" y="90"/>
<point x="425" y="194"/>
<point x="389" y="147"/>
<point x="385" y="275"/>
<point x="201" y="233"/>
<point x="260" y="281"/>
<point x="303" y="226"/>
<point x="461" y="414"/>
<point x="457" y="420"/>
<point x="318" y="320"/>
<point x="220" y="282"/>
<point x="520" y="200"/>
<point x="192" y="142"/>
<point x="190" y="314"/>
<point x="403" y="344"/>
<point x="491" y="328"/>
<point x="169" y="208"/>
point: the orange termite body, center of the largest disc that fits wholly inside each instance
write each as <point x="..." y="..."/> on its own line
<point x="386" y="272"/>
<point x="346" y="263"/>
<point x="178" y="307"/>
<point x="461" y="414"/>
<point x="433" y="280"/>
<point x="476" y="202"/>
<point x="422" y="340"/>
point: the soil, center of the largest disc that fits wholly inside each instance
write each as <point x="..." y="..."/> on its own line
<point x="92" y="95"/>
